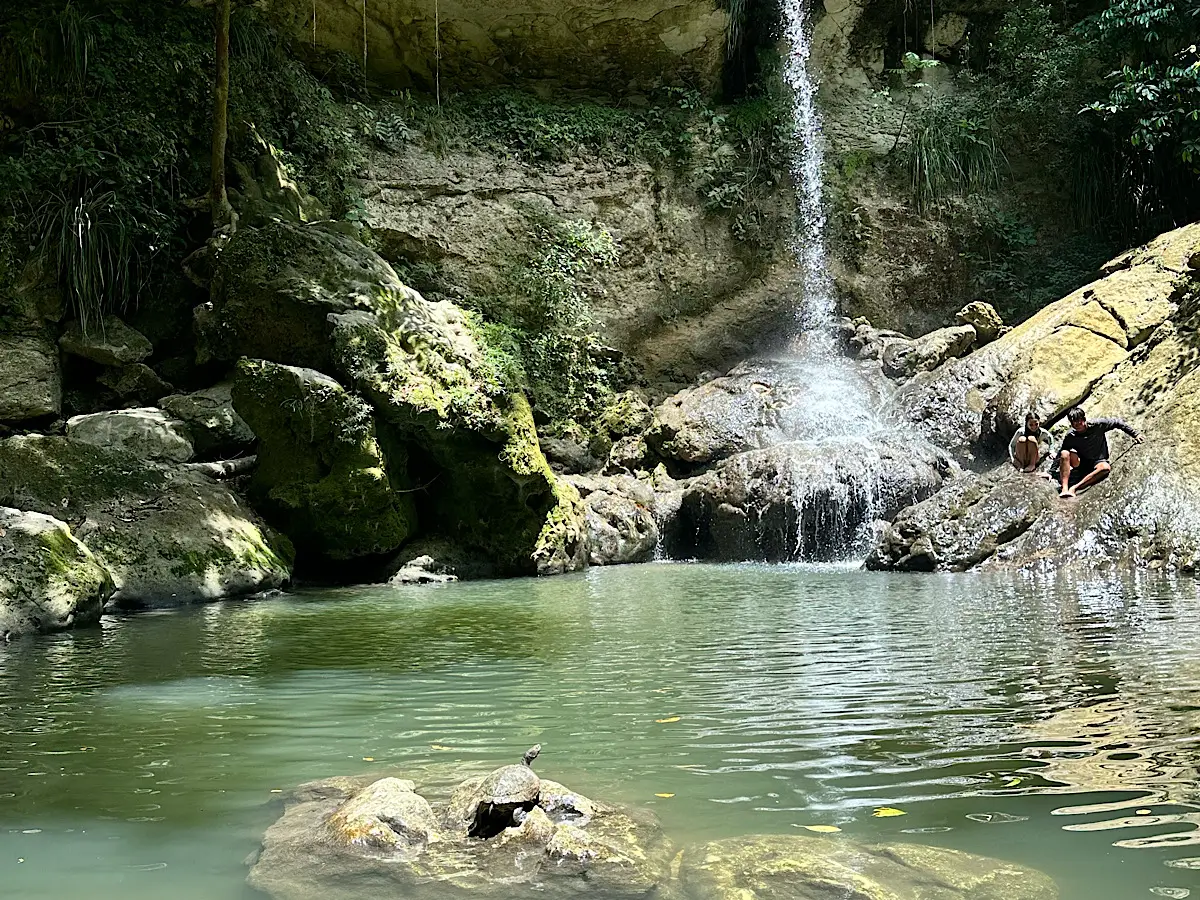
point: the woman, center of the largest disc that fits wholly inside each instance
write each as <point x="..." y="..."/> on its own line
<point x="1030" y="445"/>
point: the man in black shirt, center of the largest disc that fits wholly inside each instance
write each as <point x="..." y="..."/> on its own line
<point x="1083" y="459"/>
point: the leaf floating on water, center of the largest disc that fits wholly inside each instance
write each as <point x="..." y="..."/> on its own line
<point x="1179" y="893"/>
<point x="995" y="818"/>
<point x="1188" y="862"/>
<point x="276" y="790"/>
<point x="665" y="796"/>
<point x="822" y="829"/>
<point x="1144" y="812"/>
<point x="1012" y="782"/>
<point x="668" y="720"/>
<point x="368" y="759"/>
<point x="887" y="812"/>
<point x="932" y="829"/>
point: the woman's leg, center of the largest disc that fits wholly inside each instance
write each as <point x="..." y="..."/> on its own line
<point x="1026" y="455"/>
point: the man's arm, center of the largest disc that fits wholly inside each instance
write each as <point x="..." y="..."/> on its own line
<point x="1121" y="425"/>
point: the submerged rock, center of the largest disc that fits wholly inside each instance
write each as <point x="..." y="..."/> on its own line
<point x="789" y="867"/>
<point x="350" y="839"/>
<point x="49" y="581"/>
<point x="167" y="534"/>
<point x="321" y="475"/>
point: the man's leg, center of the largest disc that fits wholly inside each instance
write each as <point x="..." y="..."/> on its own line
<point x="1067" y="460"/>
<point x="1098" y="474"/>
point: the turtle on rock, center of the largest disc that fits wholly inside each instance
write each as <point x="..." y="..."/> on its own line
<point x="505" y="797"/>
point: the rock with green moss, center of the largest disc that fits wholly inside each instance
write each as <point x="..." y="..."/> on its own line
<point x="217" y="431"/>
<point x="30" y="378"/>
<point x="322" y="477"/>
<point x="790" y="867"/>
<point x="492" y="490"/>
<point x="49" y="580"/>
<point x="275" y="287"/>
<point x="168" y="534"/>
<point x="109" y="342"/>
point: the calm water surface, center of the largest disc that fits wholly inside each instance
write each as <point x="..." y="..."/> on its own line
<point x="1051" y="723"/>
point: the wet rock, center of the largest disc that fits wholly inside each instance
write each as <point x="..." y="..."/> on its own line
<point x="568" y="456"/>
<point x="322" y="477"/>
<point x="145" y="433"/>
<point x="30" y="379"/>
<point x="166" y="533"/>
<point x="630" y="454"/>
<point x="620" y="519"/>
<point x="802" y="500"/>
<point x="983" y="318"/>
<point x="49" y="581"/>
<point x="430" y="559"/>
<point x="422" y="570"/>
<point x="217" y="431"/>
<point x="904" y="359"/>
<point x="110" y="342"/>
<point x="571" y="847"/>
<point x="787" y="867"/>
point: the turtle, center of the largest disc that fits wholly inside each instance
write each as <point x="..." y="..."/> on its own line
<point x="502" y="794"/>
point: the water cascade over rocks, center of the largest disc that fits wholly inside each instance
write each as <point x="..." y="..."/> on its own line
<point x="813" y="467"/>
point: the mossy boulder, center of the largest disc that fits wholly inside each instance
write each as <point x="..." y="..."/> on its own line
<point x="321" y="475"/>
<point x="217" y="431"/>
<point x="30" y="378"/>
<point x="275" y="287"/>
<point x="789" y="867"/>
<point x="167" y="533"/>
<point x="49" y="581"/>
<point x="109" y="342"/>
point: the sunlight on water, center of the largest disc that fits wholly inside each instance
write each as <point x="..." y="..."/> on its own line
<point x="1050" y="723"/>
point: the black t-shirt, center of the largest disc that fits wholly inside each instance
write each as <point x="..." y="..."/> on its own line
<point x="1092" y="443"/>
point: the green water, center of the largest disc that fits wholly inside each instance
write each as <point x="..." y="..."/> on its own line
<point x="1050" y="723"/>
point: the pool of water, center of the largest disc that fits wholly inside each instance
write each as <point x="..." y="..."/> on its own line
<point x="1052" y="723"/>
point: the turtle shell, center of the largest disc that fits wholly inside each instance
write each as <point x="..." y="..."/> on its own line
<point x="510" y="784"/>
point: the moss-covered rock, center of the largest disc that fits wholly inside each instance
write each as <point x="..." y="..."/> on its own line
<point x="49" y="581"/>
<point x="30" y="378"/>
<point x="321" y="476"/>
<point x="167" y="534"/>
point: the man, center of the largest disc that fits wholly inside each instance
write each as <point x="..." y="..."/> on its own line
<point x="1083" y="459"/>
<point x="1030" y="445"/>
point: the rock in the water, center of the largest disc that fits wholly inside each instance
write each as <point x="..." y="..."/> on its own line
<point x="49" y="581"/>
<point x="1053" y="360"/>
<point x="322" y="477"/>
<point x="145" y="433"/>
<point x="620" y="519"/>
<point x="30" y="379"/>
<point x="167" y="534"/>
<point x="903" y="359"/>
<point x="983" y="318"/>
<point x="110" y="342"/>
<point x="348" y="839"/>
<point x="217" y="431"/>
<point x="422" y="570"/>
<point x="789" y="867"/>
<point x="802" y="500"/>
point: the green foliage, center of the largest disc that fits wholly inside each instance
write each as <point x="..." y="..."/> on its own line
<point x="112" y="112"/>
<point x="953" y="151"/>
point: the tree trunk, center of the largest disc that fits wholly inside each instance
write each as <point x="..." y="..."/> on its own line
<point x="222" y="213"/>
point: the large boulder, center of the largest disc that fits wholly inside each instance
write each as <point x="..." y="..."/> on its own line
<point x="803" y="500"/>
<point x="167" y="533"/>
<point x="110" y="342"/>
<point x="30" y="378"/>
<point x="354" y="839"/>
<point x="1054" y="359"/>
<point x="621" y="527"/>
<point x="49" y="580"/>
<point x="789" y="867"/>
<point x="321" y="475"/>
<point x="902" y="359"/>
<point x="146" y="433"/>
<point x="217" y="431"/>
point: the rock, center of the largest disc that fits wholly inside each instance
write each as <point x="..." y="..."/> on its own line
<point x="627" y="414"/>
<point x="145" y="433"/>
<point x="385" y="815"/>
<point x="49" y="580"/>
<point x="904" y="359"/>
<point x="630" y="454"/>
<point x="422" y="570"/>
<point x="566" y="455"/>
<point x="1053" y="360"/>
<point x="167" y="534"/>
<point x="30" y="379"/>
<point x="789" y="867"/>
<point x="620" y="519"/>
<point x="498" y="797"/>
<point x="268" y="192"/>
<point x="322" y="477"/>
<point x="217" y="431"/>
<point x="983" y="318"/>
<point x="339" y="838"/>
<point x="110" y="343"/>
<point x="292" y="276"/>
<point x="802" y="500"/>
<point x="137" y="383"/>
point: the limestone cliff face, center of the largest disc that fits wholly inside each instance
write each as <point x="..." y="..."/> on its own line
<point x="615" y="45"/>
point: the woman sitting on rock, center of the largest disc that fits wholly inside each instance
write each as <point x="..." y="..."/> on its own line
<point x="1083" y="459"/>
<point x="1030" y="445"/>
